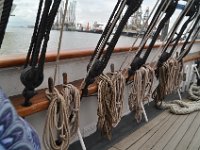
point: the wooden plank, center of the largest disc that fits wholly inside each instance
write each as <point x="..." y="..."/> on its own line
<point x="135" y="136"/>
<point x="195" y="144"/>
<point x="161" y="127"/>
<point x="185" y="141"/>
<point x="180" y="132"/>
<point x="169" y="134"/>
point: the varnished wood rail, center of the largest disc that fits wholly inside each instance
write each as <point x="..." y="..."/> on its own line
<point x="19" y="60"/>
<point x="40" y="101"/>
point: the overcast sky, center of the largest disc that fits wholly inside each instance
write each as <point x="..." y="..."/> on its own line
<point x="87" y="11"/>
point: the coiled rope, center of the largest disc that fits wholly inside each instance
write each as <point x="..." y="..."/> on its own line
<point x="62" y="117"/>
<point x="110" y="102"/>
<point x="184" y="107"/>
<point x="180" y="107"/>
<point x="55" y="115"/>
<point x="141" y="90"/>
<point x="170" y="77"/>
<point x="194" y="92"/>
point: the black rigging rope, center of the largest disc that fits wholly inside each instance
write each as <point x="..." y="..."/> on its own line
<point x="7" y="5"/>
<point x="32" y="75"/>
<point x="192" y="13"/>
<point x="99" y="60"/>
<point x="139" y="61"/>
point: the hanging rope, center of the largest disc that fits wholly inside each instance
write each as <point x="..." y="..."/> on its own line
<point x="170" y="77"/>
<point x="62" y="117"/>
<point x="141" y="89"/>
<point x="110" y="102"/>
<point x="72" y="96"/>
<point x="67" y="114"/>
<point x="52" y="128"/>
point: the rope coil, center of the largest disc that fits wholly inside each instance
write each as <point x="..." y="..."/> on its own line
<point x="194" y="92"/>
<point x="110" y="102"/>
<point x="170" y="76"/>
<point x="62" y="117"/>
<point x="141" y="89"/>
<point x="185" y="107"/>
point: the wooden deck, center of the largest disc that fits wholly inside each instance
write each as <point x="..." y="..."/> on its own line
<point x="165" y="132"/>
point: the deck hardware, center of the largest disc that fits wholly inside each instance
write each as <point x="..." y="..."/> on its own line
<point x="32" y="75"/>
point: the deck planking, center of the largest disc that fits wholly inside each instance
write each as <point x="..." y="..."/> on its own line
<point x="180" y="132"/>
<point x="169" y="134"/>
<point x="186" y="140"/>
<point x="165" y="132"/>
<point x="145" y="142"/>
<point x="125" y="143"/>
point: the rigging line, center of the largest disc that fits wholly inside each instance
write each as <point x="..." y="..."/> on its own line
<point x="32" y="76"/>
<point x="41" y="33"/>
<point x="173" y="29"/>
<point x="172" y="32"/>
<point x="35" y="34"/>
<point x="110" y="30"/>
<point x="157" y="16"/>
<point x="101" y="46"/>
<point x="184" y="51"/>
<point x="104" y="32"/>
<point x="138" y="35"/>
<point x="189" y="28"/>
<point x="153" y="23"/>
<point x="98" y="66"/>
<point x="162" y="23"/>
<point x="190" y="45"/>
<point x="60" y="42"/>
<point x="112" y="44"/>
<point x="138" y="61"/>
<point x="50" y="21"/>
<point x="165" y="55"/>
<point x="7" y="6"/>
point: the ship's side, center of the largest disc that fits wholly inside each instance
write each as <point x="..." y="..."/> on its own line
<point x="74" y="64"/>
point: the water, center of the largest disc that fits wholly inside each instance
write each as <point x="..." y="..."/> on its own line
<point x="17" y="41"/>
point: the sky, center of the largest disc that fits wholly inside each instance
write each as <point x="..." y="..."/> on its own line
<point x="87" y="11"/>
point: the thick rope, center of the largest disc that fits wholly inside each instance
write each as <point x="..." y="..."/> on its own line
<point x="194" y="92"/>
<point x="52" y="128"/>
<point x="62" y="117"/>
<point x="184" y="107"/>
<point x="110" y="102"/>
<point x="5" y="14"/>
<point x="180" y="107"/>
<point x="170" y="77"/>
<point x="72" y="96"/>
<point x="141" y="90"/>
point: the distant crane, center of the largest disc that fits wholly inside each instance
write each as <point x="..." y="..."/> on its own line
<point x="70" y="20"/>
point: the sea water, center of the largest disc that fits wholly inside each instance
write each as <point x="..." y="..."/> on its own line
<point x="17" y="41"/>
